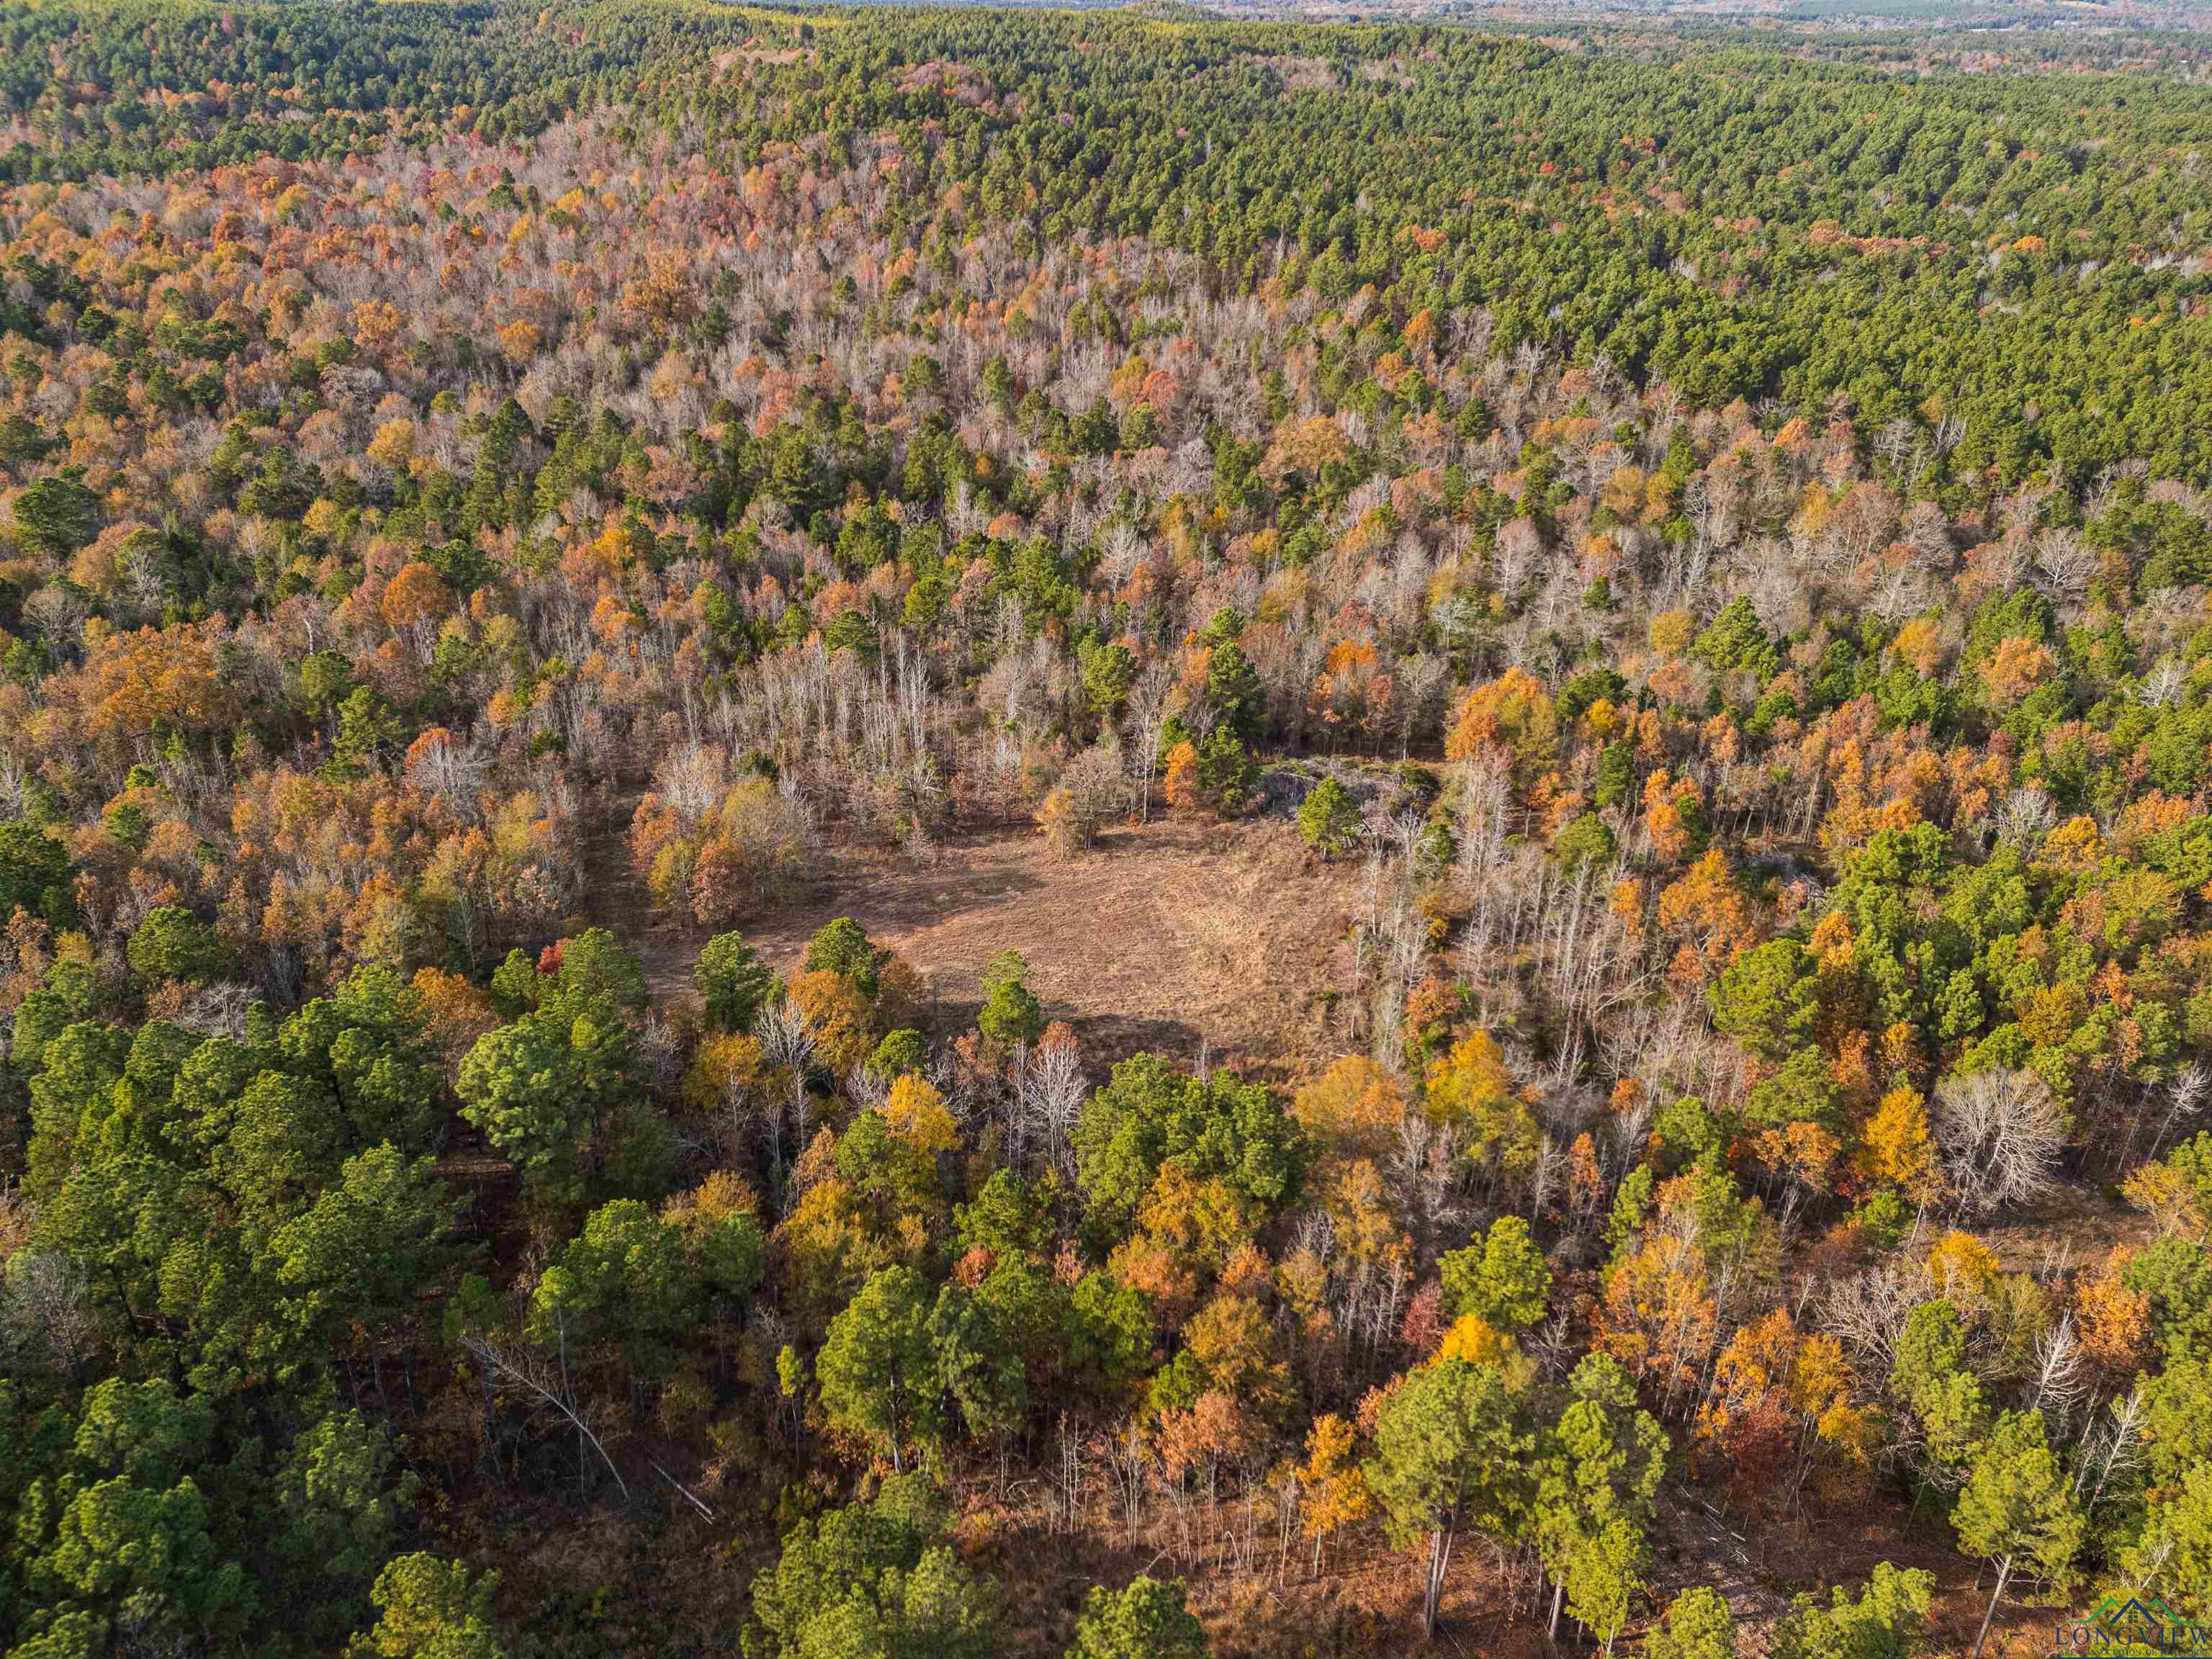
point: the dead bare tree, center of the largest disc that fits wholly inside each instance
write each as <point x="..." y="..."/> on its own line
<point x="1147" y="715"/>
<point x="788" y="1045"/>
<point x="2113" y="1446"/>
<point x="2184" y="1098"/>
<point x="2000" y="1134"/>
<point x="2060" y="1381"/>
<point x="553" y="1389"/>
<point x="1051" y="1090"/>
<point x="46" y="1299"/>
<point x="1867" y="1312"/>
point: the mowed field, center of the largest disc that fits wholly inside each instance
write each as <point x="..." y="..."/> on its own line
<point x="1164" y="936"/>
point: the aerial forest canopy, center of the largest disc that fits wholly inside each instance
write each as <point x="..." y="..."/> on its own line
<point x="2018" y="258"/>
<point x="950" y="833"/>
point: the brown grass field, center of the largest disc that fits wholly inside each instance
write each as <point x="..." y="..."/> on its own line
<point x="1164" y="936"/>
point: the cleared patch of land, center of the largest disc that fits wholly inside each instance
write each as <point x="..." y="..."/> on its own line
<point x="1162" y="935"/>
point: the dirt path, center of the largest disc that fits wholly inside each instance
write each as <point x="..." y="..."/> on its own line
<point x="1162" y="937"/>
<point x="2074" y="1227"/>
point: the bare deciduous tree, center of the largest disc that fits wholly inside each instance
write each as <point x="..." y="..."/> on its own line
<point x="46" y="1301"/>
<point x="788" y="1046"/>
<point x="2000" y="1134"/>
